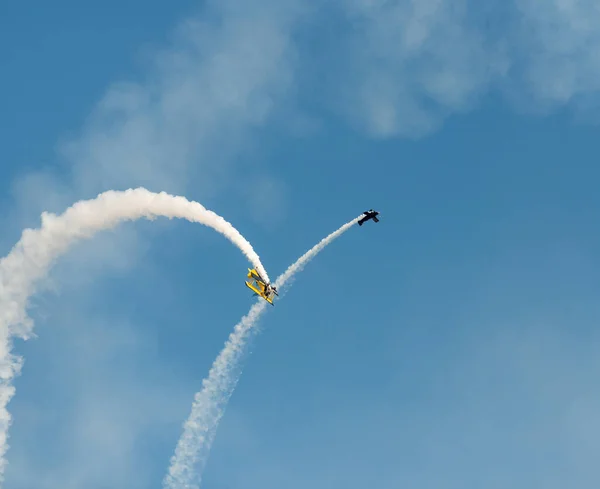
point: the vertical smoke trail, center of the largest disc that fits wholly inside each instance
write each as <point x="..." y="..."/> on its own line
<point x="209" y="404"/>
<point x="31" y="258"/>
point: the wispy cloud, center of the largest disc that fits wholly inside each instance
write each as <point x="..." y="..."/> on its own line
<point x="394" y="68"/>
<point x="216" y="82"/>
<point x="558" y="42"/>
<point x="403" y="67"/>
<point x="412" y="63"/>
<point x="180" y="126"/>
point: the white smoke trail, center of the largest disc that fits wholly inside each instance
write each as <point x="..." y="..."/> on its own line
<point x="209" y="404"/>
<point x="31" y="258"/>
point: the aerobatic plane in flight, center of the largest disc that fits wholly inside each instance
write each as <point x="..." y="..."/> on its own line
<point x="260" y="287"/>
<point x="370" y="214"/>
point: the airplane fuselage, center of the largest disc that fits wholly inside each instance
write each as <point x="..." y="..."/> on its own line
<point x="370" y="214"/>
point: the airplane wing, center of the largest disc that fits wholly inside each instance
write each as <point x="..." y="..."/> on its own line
<point x="252" y="273"/>
<point x="252" y="287"/>
<point x="260" y="291"/>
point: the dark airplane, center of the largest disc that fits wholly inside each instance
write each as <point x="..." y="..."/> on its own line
<point x="370" y="214"/>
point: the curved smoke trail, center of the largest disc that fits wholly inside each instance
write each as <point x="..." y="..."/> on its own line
<point x="31" y="258"/>
<point x="209" y="404"/>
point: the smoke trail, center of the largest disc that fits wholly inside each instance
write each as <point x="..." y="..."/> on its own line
<point x="34" y="254"/>
<point x="209" y="404"/>
<point x="301" y="262"/>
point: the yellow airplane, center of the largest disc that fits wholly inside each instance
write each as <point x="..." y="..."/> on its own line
<point x="258" y="285"/>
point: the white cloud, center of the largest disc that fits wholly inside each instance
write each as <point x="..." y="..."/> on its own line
<point x="180" y="126"/>
<point x="412" y="63"/>
<point x="404" y="66"/>
<point x="559" y="41"/>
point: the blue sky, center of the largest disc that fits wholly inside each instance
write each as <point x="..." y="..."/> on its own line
<point x="452" y="345"/>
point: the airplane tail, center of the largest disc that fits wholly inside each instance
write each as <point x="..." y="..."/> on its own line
<point x="375" y="219"/>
